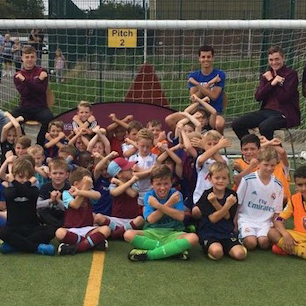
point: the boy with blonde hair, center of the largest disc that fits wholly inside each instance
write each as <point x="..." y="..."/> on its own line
<point x="9" y="132"/>
<point x="84" y="120"/>
<point x="50" y="206"/>
<point x="216" y="210"/>
<point x="260" y="196"/>
<point x="41" y="170"/>
<point x="144" y="160"/>
<point x="213" y="142"/>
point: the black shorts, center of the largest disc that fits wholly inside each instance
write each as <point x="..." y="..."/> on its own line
<point x="227" y="244"/>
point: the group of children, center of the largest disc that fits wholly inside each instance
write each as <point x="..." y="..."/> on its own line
<point x="125" y="181"/>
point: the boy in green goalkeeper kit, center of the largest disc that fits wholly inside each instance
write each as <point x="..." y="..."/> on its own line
<point x="163" y="234"/>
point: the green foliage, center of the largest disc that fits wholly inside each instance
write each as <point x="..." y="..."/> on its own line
<point x="21" y="9"/>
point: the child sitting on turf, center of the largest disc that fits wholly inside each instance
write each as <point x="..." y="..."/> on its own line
<point x="101" y="184"/>
<point x="250" y="146"/>
<point x="155" y="127"/>
<point x="99" y="145"/>
<point x="145" y="160"/>
<point x="41" y="170"/>
<point x="260" y="195"/>
<point x="287" y="241"/>
<point x="85" y="160"/>
<point x="55" y="138"/>
<point x="216" y="210"/>
<point x="80" y="141"/>
<point x="116" y="132"/>
<point x="84" y="121"/>
<point x="78" y="233"/>
<point x="22" y="231"/>
<point x="124" y="192"/>
<point x="10" y="131"/>
<point x="22" y="144"/>
<point x="169" y="158"/>
<point x="282" y="168"/>
<point x="213" y="142"/>
<point x="163" y="234"/>
<point x="69" y="153"/>
<point x="129" y="147"/>
<point x="50" y="207"/>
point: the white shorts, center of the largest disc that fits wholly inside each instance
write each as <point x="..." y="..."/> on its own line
<point x="119" y="221"/>
<point x="247" y="229"/>
<point x="82" y="231"/>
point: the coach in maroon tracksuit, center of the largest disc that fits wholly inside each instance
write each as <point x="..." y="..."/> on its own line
<point x="32" y="83"/>
<point x="278" y="92"/>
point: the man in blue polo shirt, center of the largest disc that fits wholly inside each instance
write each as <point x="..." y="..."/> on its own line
<point x="209" y="82"/>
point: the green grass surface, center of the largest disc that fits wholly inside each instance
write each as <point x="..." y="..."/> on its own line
<point x="262" y="279"/>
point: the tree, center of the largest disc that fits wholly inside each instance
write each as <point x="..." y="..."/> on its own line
<point x="21" y="9"/>
<point x="118" y="10"/>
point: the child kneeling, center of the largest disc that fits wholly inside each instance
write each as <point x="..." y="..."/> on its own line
<point x="163" y="234"/>
<point x="78" y="233"/>
<point x="216" y="210"/>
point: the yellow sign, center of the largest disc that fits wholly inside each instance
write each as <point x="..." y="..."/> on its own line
<point x="122" y="38"/>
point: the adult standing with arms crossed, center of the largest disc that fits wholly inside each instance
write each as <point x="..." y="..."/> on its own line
<point x="278" y="92"/>
<point x="32" y="84"/>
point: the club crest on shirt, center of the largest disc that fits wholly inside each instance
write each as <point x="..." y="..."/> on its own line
<point x="273" y="195"/>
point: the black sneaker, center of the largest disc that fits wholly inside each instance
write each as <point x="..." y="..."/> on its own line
<point x="103" y="246"/>
<point x="138" y="255"/>
<point x="66" y="249"/>
<point x="184" y="255"/>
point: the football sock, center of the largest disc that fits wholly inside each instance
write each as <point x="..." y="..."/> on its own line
<point x="169" y="249"/>
<point x="118" y="233"/>
<point x="90" y="241"/>
<point x="130" y="225"/>
<point x="144" y="243"/>
<point x="72" y="238"/>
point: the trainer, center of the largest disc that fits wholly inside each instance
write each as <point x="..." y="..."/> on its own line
<point x="32" y="84"/>
<point x="279" y="97"/>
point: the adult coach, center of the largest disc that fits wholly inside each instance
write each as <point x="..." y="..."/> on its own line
<point x="32" y="84"/>
<point x="278" y="92"/>
<point x="209" y="82"/>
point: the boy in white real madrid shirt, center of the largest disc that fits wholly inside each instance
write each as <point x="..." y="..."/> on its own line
<point x="260" y="196"/>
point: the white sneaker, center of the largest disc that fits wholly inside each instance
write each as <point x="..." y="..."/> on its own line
<point x="303" y="154"/>
<point x="4" y="73"/>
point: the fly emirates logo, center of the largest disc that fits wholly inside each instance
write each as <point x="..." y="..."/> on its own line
<point x="261" y="205"/>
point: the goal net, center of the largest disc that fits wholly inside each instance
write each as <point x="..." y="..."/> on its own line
<point x="109" y="60"/>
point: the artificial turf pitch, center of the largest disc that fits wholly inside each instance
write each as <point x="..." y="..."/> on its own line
<point x="262" y="279"/>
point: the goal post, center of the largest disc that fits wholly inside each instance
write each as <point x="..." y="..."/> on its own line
<point x="99" y="69"/>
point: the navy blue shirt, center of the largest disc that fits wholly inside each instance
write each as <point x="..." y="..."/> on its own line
<point x="224" y="228"/>
<point x="104" y="204"/>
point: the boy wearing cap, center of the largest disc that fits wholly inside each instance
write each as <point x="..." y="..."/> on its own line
<point x="124" y="191"/>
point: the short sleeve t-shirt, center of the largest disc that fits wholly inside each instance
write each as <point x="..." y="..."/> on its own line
<point x="165" y="221"/>
<point x="224" y="228"/>
<point x="203" y="79"/>
<point x="144" y="163"/>
<point x="259" y="202"/>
